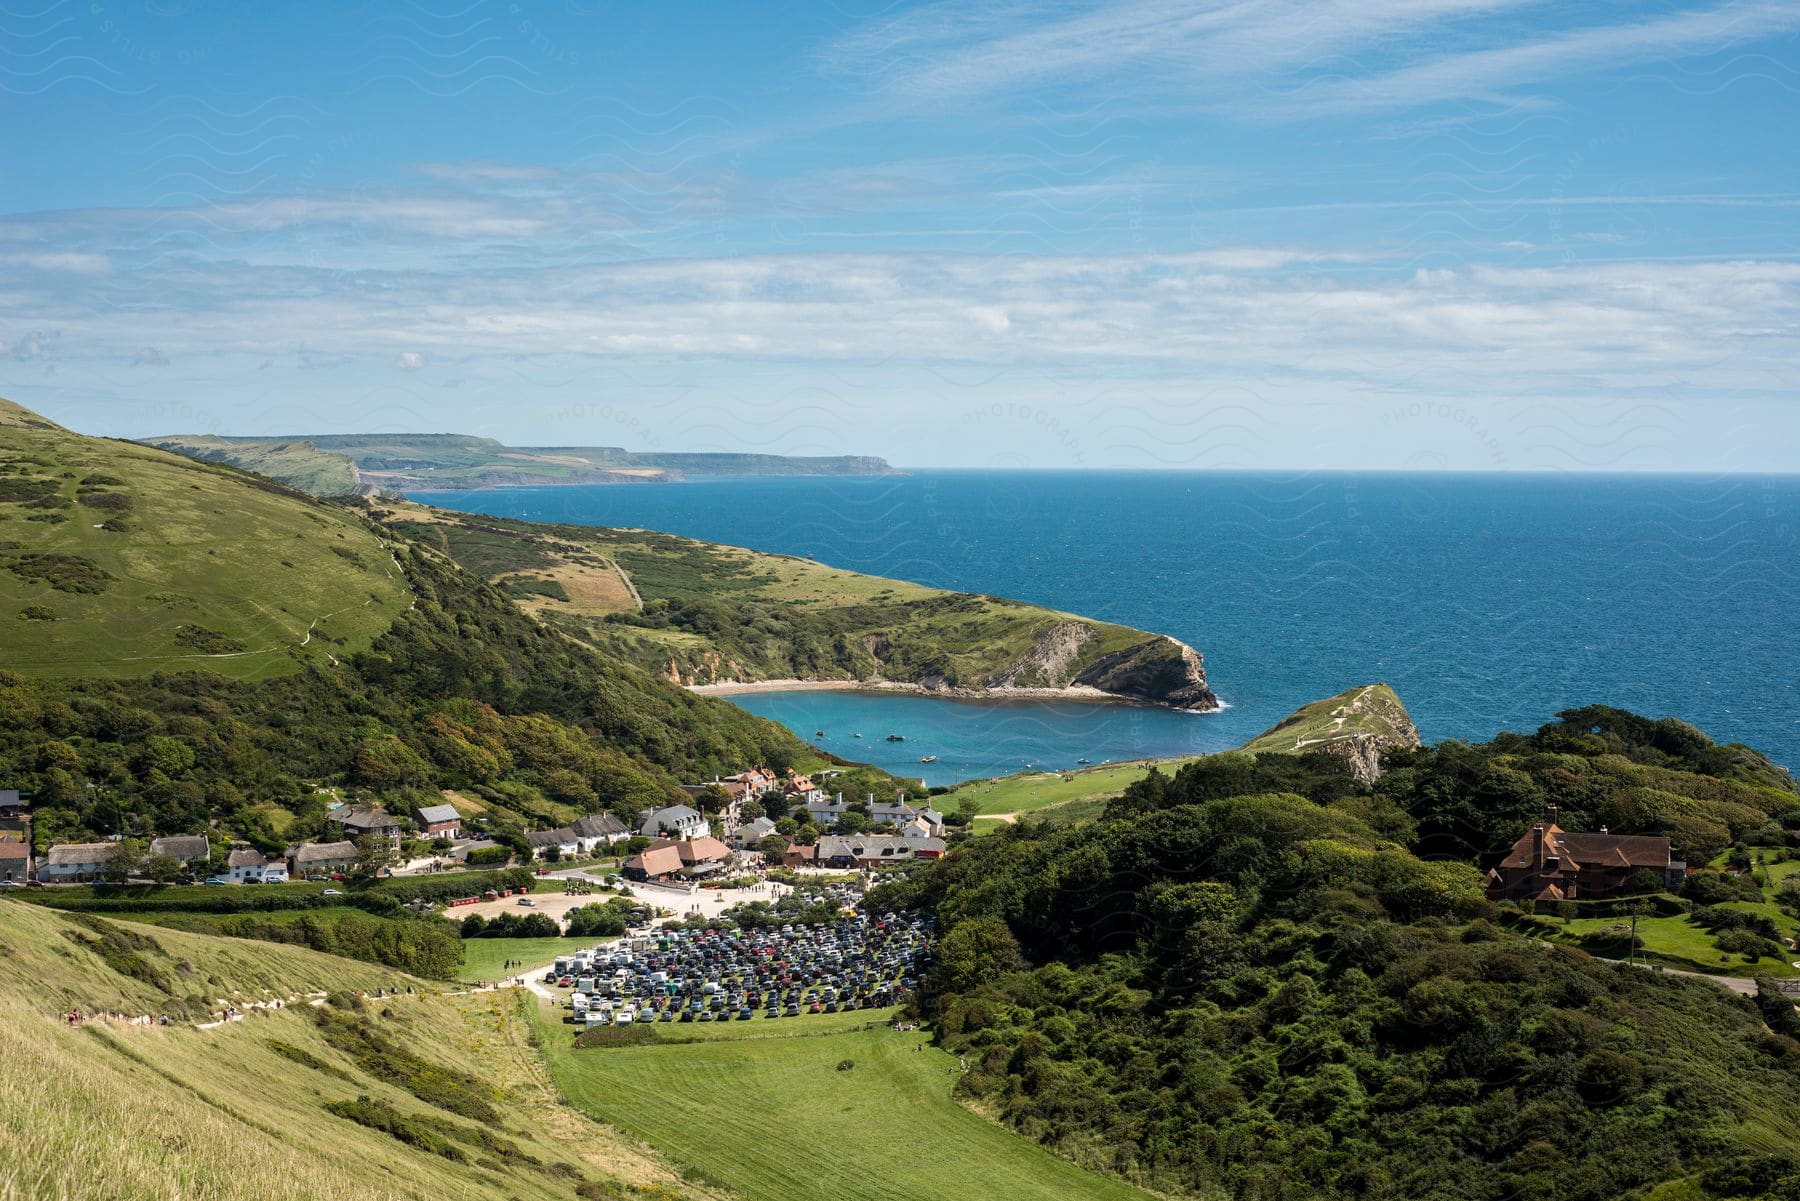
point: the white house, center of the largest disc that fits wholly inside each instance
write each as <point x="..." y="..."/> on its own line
<point x="679" y="822"/>
<point x="563" y="839"/>
<point x="76" y="862"/>
<point x="245" y="864"/>
<point x="183" y="848"/>
<point x="600" y="829"/>
<point x="321" y="858"/>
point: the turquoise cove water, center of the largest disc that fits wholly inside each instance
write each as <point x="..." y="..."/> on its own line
<point x="1489" y="602"/>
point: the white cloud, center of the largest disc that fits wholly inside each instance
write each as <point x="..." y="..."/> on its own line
<point x="409" y="360"/>
<point x="1269" y="58"/>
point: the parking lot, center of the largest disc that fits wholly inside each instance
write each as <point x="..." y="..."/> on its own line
<point x="787" y="971"/>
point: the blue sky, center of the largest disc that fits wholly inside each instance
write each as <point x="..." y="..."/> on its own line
<point x="1466" y="234"/>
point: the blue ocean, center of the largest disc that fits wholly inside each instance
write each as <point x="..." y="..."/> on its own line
<point x="1488" y="601"/>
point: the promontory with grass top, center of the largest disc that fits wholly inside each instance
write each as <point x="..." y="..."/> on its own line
<point x="1358" y="726"/>
<point x="342" y="464"/>
<point x="721" y="617"/>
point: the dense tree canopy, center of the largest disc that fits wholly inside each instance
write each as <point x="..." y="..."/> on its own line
<point x="1242" y="981"/>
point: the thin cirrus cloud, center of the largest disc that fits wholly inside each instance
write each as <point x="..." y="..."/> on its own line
<point x="1254" y="312"/>
<point x="1278" y="58"/>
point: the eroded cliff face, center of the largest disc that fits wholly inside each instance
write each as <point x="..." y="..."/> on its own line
<point x="1161" y="671"/>
<point x="1357" y="726"/>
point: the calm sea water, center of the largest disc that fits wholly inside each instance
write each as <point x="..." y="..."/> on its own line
<point x="1489" y="602"/>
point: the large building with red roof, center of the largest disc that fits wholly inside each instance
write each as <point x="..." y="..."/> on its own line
<point x="1549" y="863"/>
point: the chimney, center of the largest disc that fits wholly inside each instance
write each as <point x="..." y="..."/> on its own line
<point x="1550" y="814"/>
<point x="1604" y="830"/>
<point x="1537" y="846"/>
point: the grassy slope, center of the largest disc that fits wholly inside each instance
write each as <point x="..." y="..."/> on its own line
<point x="885" y="1129"/>
<point x="299" y="464"/>
<point x="966" y="637"/>
<point x="117" y="1110"/>
<point x="203" y="547"/>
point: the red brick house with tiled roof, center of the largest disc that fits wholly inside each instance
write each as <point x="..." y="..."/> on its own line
<point x="1549" y="863"/>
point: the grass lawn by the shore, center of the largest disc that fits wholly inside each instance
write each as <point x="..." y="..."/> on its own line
<point x="764" y="1107"/>
<point x="1029" y="793"/>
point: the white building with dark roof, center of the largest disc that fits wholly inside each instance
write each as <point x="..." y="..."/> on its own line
<point x="76" y="862"/>
<point x="245" y="864"/>
<point x="183" y="848"/>
<point x="675" y="821"/>
<point x="321" y="858"/>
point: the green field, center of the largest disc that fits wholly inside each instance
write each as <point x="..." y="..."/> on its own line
<point x="1677" y="941"/>
<point x="120" y="560"/>
<point x="1028" y="793"/>
<point x="482" y="957"/>
<point x="761" y="1108"/>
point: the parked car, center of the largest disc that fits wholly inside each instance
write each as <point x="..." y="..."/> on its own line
<point x="527" y="901"/>
<point x="334" y="892"/>
<point x="216" y="880"/>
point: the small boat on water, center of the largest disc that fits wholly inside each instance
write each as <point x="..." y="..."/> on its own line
<point x="928" y="759"/>
<point x="1084" y="761"/>
<point x="896" y="738"/>
<point x="856" y="735"/>
<point x="818" y="733"/>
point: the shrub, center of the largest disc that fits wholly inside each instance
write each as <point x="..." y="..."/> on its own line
<point x="635" y="1035"/>
<point x="413" y="1131"/>
<point x="110" y="502"/>
<point x="37" y="613"/>
<point x="207" y="641"/>
<point x="65" y="573"/>
<point x="447" y="1088"/>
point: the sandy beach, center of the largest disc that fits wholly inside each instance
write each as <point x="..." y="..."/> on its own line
<point x="1076" y="693"/>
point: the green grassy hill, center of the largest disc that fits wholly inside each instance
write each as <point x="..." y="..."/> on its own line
<point x="702" y="613"/>
<point x="424" y="1096"/>
<point x="326" y="463"/>
<point x="297" y="463"/>
<point x="121" y="560"/>
<point x="844" y="1109"/>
